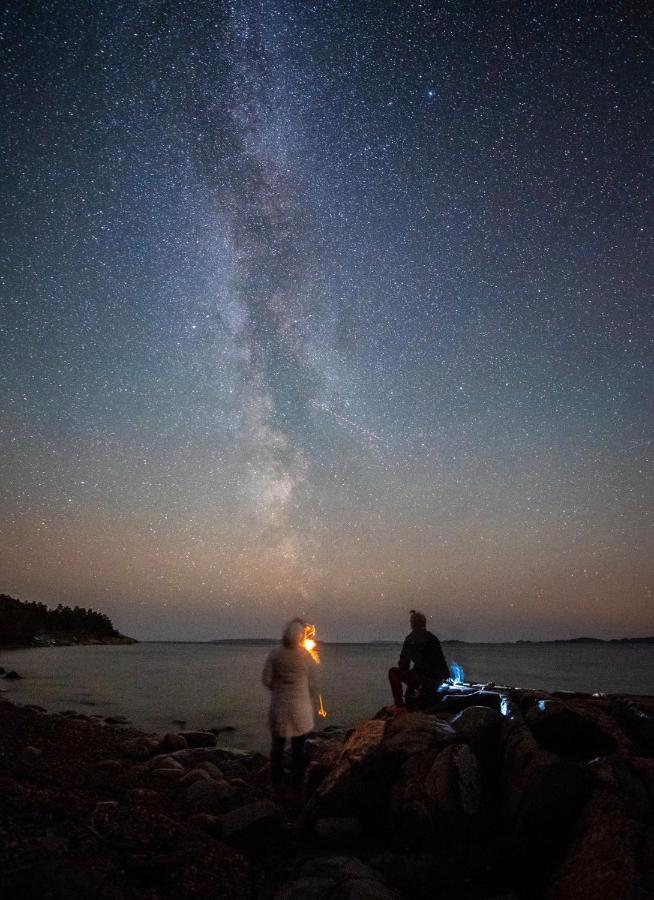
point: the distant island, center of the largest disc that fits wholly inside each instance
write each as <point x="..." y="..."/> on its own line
<point x="267" y="642"/>
<point x="35" y="625"/>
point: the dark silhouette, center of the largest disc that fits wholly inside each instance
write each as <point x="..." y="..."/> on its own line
<point x="21" y="622"/>
<point x="423" y="649"/>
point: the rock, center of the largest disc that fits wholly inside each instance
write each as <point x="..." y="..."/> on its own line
<point x="248" y="820"/>
<point x="601" y="861"/>
<point x="308" y="888"/>
<point x="206" y="822"/>
<point x="480" y="726"/>
<point x="338" y="830"/>
<point x="345" y="792"/>
<point x="30" y="754"/>
<point x="117" y="720"/>
<point x="211" y="768"/>
<point x="205" y="796"/>
<point x="142" y="797"/>
<point x="171" y="742"/>
<point x="34" y="707"/>
<point x="415" y="732"/>
<point x="338" y="868"/>
<point x="3" y="671"/>
<point x="138" y="748"/>
<point x="166" y="762"/>
<point x="13" y="676"/>
<point x="168" y="774"/>
<point x="365" y="889"/>
<point x="199" y="738"/>
<point x="109" y="765"/>
<point x="543" y="796"/>
<point x="196" y="775"/>
<point x="638" y="721"/>
<point x="562" y="730"/>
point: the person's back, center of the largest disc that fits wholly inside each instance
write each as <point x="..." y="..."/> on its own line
<point x="424" y="650"/>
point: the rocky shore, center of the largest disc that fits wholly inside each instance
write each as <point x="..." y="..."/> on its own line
<point x="484" y="793"/>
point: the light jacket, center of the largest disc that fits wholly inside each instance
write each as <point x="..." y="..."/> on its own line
<point x="289" y="675"/>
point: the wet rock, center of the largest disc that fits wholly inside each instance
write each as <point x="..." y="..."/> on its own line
<point x="13" y="676"/>
<point x="171" y="742"/>
<point x="139" y="749"/>
<point x="248" y="820"/>
<point x="338" y="830"/>
<point x="142" y="797"/>
<point x="199" y="738"/>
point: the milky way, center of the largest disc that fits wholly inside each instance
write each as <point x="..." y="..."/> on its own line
<point x="328" y="309"/>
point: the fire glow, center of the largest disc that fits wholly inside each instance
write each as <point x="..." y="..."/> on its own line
<point x="309" y="644"/>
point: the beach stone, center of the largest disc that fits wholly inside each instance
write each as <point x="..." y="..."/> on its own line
<point x="205" y="821"/>
<point x="171" y="742"/>
<point x="30" y="754"/>
<point x="13" y="676"/>
<point x="338" y="830"/>
<point x="308" y="888"/>
<point x="244" y="821"/>
<point x="109" y="765"/>
<point x="211" y="768"/>
<point x="139" y="749"/>
<point x="168" y="774"/>
<point x="207" y="795"/>
<point x="142" y="797"/>
<point x="199" y="738"/>
<point x="196" y="775"/>
<point x="167" y="762"/>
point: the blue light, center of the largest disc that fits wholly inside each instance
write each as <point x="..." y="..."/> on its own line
<point x="456" y="673"/>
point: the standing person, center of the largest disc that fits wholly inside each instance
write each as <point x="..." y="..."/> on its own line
<point x="423" y="649"/>
<point x="289" y="676"/>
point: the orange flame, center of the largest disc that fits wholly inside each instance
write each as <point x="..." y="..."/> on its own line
<point x="309" y="643"/>
<point x="322" y="712"/>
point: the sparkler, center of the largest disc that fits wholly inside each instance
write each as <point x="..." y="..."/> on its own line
<point x="311" y="647"/>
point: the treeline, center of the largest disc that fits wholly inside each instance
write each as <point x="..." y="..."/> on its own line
<point x="20" y="622"/>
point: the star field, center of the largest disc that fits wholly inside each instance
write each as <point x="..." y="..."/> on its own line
<point x="328" y="309"/>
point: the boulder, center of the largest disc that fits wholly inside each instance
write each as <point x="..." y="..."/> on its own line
<point x="142" y="797"/>
<point x="109" y="765"/>
<point x="166" y="762"/>
<point x="171" y="742"/>
<point x="480" y="726"/>
<point x="138" y="748"/>
<point x="13" y="676"/>
<point x="601" y="861"/>
<point x="353" y="787"/>
<point x="196" y="775"/>
<point x="638" y="721"/>
<point x="117" y="720"/>
<point x="342" y="877"/>
<point x="211" y="768"/>
<point x="249" y="820"/>
<point x="29" y="755"/>
<point x="570" y="734"/>
<point x="338" y="830"/>
<point x="205" y="796"/>
<point x="199" y="738"/>
<point x="168" y="774"/>
<point x="206" y="822"/>
<point x="311" y="887"/>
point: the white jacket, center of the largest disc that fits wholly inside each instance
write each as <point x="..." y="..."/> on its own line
<point x="289" y="675"/>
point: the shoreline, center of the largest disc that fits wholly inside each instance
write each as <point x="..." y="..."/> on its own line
<point x="440" y="798"/>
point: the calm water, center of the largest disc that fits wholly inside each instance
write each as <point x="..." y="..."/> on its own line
<point x="214" y="685"/>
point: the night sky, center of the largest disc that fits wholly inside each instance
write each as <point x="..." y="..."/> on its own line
<point x="331" y="309"/>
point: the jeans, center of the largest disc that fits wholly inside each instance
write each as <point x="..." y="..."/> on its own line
<point x="297" y="758"/>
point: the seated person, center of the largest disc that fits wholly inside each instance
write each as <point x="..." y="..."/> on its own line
<point x="423" y="649"/>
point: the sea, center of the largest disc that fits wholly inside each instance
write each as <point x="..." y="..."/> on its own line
<point x="164" y="686"/>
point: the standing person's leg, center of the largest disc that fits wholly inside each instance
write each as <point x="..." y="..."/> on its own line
<point x="276" y="755"/>
<point x="297" y="759"/>
<point x="395" y="678"/>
